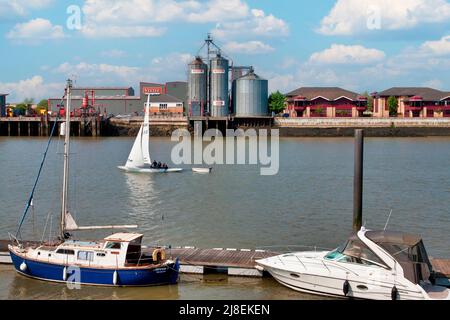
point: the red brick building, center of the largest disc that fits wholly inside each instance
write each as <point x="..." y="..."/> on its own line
<point x="413" y="102"/>
<point x="329" y="102"/>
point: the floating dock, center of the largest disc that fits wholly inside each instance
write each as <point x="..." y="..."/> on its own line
<point x="234" y="262"/>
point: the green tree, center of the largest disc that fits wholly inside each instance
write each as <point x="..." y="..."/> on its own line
<point x="369" y="101"/>
<point x="392" y="103"/>
<point x="24" y="106"/>
<point x="21" y="108"/>
<point x="42" y="105"/>
<point x="277" y="102"/>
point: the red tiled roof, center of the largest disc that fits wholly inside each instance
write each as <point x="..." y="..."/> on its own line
<point x="427" y="94"/>
<point x="329" y="93"/>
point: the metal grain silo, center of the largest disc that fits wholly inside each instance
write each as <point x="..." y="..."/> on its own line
<point x="197" y="87"/>
<point x="219" y="99"/>
<point x="250" y="96"/>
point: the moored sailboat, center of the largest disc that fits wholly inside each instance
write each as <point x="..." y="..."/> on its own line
<point x="117" y="260"/>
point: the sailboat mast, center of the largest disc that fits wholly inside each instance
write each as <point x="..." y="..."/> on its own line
<point x="64" y="202"/>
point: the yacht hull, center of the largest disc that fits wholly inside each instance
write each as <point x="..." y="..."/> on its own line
<point x="141" y="276"/>
<point x="149" y="170"/>
<point x="308" y="272"/>
<point x="333" y="287"/>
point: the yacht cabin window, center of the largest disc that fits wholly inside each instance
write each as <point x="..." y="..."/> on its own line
<point x="355" y="251"/>
<point x="85" y="255"/>
<point x="113" y="245"/>
<point x="65" y="251"/>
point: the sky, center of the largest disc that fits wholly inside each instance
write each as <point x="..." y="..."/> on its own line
<point x="359" y="45"/>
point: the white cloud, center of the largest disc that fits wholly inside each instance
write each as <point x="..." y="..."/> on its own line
<point x="434" y="83"/>
<point x="160" y="69"/>
<point x="422" y="65"/>
<point x="249" y="47"/>
<point x="35" y="30"/>
<point x="217" y="11"/>
<point x="34" y="87"/>
<point x="439" y="47"/>
<point x="110" y="31"/>
<point x="342" y="54"/>
<point x="15" y="8"/>
<point x="257" y="24"/>
<point x="86" y="70"/>
<point x="149" y="18"/>
<point x="352" y="16"/>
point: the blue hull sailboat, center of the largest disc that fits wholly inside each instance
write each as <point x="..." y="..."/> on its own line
<point x="117" y="260"/>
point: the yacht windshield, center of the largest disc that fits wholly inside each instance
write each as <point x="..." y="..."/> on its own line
<point x="355" y="251"/>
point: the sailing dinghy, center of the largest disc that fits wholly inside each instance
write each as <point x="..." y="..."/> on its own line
<point x="117" y="260"/>
<point x="139" y="160"/>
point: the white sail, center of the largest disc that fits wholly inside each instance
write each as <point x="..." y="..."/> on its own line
<point x="140" y="154"/>
<point x="136" y="158"/>
<point x="70" y="223"/>
<point x="146" y="134"/>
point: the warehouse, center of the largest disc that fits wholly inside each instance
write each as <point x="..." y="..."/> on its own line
<point x="325" y="102"/>
<point x="3" y="105"/>
<point x="413" y="102"/>
<point x="105" y="100"/>
<point x="122" y="100"/>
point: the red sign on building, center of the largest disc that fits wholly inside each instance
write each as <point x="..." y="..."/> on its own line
<point x="149" y="90"/>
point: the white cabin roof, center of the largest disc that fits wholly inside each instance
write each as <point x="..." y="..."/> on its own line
<point x="124" y="237"/>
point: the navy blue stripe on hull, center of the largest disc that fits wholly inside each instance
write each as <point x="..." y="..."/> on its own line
<point x="91" y="276"/>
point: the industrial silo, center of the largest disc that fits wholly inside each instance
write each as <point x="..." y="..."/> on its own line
<point x="250" y="96"/>
<point x="219" y="99"/>
<point x="197" y="87"/>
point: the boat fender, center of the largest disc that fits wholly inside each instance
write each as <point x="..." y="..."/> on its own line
<point x="346" y="287"/>
<point x="115" y="277"/>
<point x="394" y="293"/>
<point x="23" y="266"/>
<point x="65" y="273"/>
<point x="158" y="255"/>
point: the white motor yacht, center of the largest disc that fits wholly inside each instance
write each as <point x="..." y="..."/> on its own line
<point x="378" y="265"/>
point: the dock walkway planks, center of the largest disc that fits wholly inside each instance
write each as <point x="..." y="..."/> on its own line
<point x="226" y="258"/>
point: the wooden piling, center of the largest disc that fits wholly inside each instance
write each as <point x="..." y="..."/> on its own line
<point x="358" y="180"/>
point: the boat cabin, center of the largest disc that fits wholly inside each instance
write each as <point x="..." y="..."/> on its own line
<point x="117" y="250"/>
<point x="406" y="249"/>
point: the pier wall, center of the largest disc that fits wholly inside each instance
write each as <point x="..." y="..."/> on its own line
<point x="374" y="127"/>
<point x="42" y="126"/>
<point x="289" y="127"/>
<point x="159" y="127"/>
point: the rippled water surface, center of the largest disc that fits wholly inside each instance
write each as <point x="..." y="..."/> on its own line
<point x="309" y="203"/>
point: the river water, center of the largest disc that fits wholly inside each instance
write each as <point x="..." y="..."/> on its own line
<point x="308" y="203"/>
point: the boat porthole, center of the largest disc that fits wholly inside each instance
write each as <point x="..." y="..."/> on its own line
<point x="362" y="287"/>
<point x="293" y="275"/>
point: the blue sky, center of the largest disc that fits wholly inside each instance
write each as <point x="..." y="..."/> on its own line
<point x="356" y="44"/>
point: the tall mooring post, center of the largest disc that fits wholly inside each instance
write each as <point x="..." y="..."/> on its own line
<point x="358" y="180"/>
